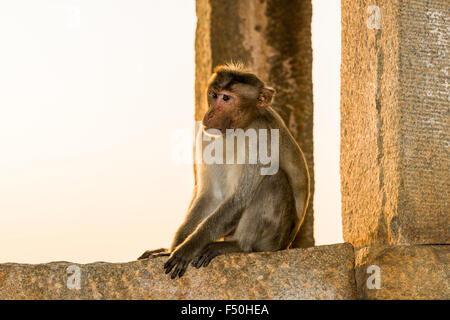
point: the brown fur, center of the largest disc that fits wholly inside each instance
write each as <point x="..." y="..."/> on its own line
<point x="254" y="212"/>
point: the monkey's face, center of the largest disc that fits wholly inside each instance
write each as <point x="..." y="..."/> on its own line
<point x="235" y="98"/>
<point x="227" y="110"/>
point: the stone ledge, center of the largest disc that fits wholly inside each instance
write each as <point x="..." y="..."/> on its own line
<point x="323" y="272"/>
<point x="406" y="272"/>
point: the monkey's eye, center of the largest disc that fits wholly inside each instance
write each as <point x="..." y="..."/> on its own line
<point x="225" y="97"/>
<point x="213" y="94"/>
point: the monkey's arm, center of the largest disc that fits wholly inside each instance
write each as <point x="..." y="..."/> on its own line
<point x="199" y="208"/>
<point x="200" y="204"/>
<point x="217" y="225"/>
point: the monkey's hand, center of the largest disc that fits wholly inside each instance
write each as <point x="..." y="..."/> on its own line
<point x="179" y="259"/>
<point x="206" y="255"/>
<point x="151" y="254"/>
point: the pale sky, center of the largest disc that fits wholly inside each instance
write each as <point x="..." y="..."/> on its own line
<point x="94" y="97"/>
<point x="326" y="43"/>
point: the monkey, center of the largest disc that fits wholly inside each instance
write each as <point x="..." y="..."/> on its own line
<point x="236" y="208"/>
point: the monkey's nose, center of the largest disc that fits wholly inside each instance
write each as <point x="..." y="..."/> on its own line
<point x="206" y="119"/>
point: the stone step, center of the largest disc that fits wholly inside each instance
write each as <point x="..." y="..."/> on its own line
<point x="404" y="272"/>
<point x="323" y="272"/>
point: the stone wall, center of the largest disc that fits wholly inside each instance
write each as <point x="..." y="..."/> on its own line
<point x="395" y="135"/>
<point x="324" y="272"/>
<point x="273" y="38"/>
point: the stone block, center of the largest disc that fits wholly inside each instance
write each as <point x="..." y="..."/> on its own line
<point x="324" y="272"/>
<point x="405" y="272"/>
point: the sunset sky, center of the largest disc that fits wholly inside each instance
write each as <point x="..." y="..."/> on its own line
<point x="94" y="98"/>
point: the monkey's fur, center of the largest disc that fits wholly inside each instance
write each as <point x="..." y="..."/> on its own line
<point x="234" y="202"/>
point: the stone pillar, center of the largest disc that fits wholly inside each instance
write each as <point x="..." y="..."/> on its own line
<point x="273" y="38"/>
<point x="395" y="129"/>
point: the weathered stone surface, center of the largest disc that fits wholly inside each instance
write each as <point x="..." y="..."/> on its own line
<point x="395" y="128"/>
<point x="273" y="38"/>
<point x="406" y="272"/>
<point x="324" y="272"/>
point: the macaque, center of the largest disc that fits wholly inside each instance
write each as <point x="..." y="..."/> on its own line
<point x="236" y="206"/>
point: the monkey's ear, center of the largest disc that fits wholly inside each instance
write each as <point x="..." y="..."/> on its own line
<point x="265" y="97"/>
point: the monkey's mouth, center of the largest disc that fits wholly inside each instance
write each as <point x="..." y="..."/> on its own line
<point x="214" y="129"/>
